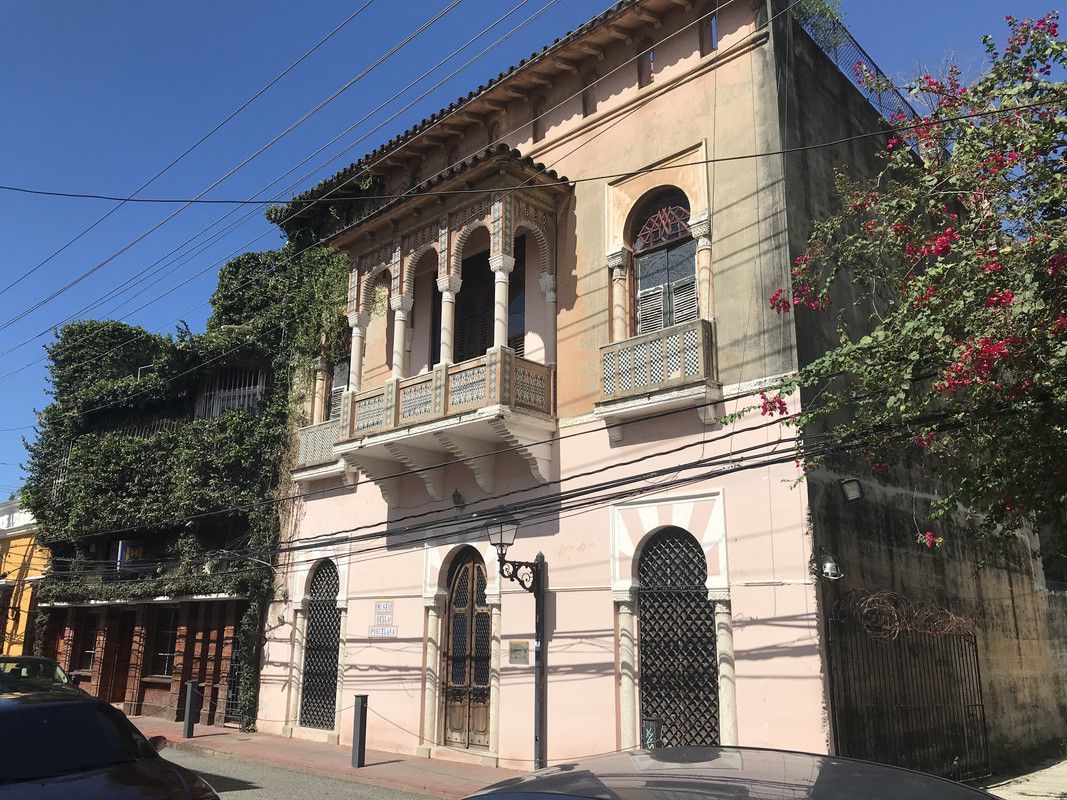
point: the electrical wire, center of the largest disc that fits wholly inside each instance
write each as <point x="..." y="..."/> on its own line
<point x="149" y="271"/>
<point x="132" y="197"/>
<point x="307" y="115"/>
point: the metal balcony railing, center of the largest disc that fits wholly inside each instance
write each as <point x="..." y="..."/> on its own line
<point x="497" y="378"/>
<point x="667" y="359"/>
<point x="315" y="443"/>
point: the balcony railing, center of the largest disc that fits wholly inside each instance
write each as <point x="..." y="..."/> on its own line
<point x="497" y="378"/>
<point x="666" y="359"/>
<point x="315" y="443"/>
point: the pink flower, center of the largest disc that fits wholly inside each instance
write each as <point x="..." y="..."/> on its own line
<point x="1004" y="297"/>
<point x="772" y="405"/>
<point x="779" y="302"/>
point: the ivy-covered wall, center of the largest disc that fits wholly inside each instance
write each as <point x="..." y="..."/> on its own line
<point x="122" y="453"/>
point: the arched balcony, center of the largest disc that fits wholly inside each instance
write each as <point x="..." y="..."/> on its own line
<point x="471" y="332"/>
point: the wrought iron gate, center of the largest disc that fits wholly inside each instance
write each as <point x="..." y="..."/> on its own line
<point x="906" y="686"/>
<point x="318" y="698"/>
<point x="466" y="655"/>
<point x="677" y="671"/>
<point x="232" y="710"/>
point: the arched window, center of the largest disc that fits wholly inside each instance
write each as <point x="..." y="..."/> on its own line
<point x="322" y="641"/>
<point x="537" y="118"/>
<point x="646" y="61"/>
<point x="708" y="27"/>
<point x="467" y="654"/>
<point x="589" y="80"/>
<point x="678" y="679"/>
<point x="665" y="256"/>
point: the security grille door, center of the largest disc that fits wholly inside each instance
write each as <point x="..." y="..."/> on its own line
<point x="677" y="672"/>
<point x="466" y="657"/>
<point x="318" y="697"/>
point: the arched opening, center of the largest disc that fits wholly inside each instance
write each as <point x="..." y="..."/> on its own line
<point x="474" y="301"/>
<point x="665" y="260"/>
<point x="678" y="673"/>
<point x="322" y="641"/>
<point x="646" y="60"/>
<point x="708" y="29"/>
<point x="466" y="654"/>
<point x="424" y="320"/>
<point x="537" y="118"/>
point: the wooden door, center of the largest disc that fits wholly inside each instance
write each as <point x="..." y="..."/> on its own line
<point x="466" y="655"/>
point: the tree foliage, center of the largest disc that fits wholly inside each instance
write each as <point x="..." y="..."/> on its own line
<point x="121" y="454"/>
<point x="957" y="251"/>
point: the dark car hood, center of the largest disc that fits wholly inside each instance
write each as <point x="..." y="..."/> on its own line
<point x="148" y="779"/>
<point x="727" y="773"/>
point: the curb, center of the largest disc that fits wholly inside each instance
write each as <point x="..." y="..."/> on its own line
<point x="188" y="746"/>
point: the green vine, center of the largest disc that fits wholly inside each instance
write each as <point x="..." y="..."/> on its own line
<point x="121" y="452"/>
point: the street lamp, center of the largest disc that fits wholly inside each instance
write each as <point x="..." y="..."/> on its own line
<point x="530" y="575"/>
<point x="502" y="530"/>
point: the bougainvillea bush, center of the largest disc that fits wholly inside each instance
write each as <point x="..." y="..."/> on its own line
<point x="957" y="251"/>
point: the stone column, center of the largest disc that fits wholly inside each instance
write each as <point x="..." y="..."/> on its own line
<point x="501" y="266"/>
<point x="319" y="393"/>
<point x="627" y="671"/>
<point x="494" y="680"/>
<point x="548" y="286"/>
<point x="724" y="648"/>
<point x="620" y="306"/>
<point x="401" y="305"/>
<point x="430" y="672"/>
<point x="358" y="323"/>
<point x="448" y="285"/>
<point x="701" y="230"/>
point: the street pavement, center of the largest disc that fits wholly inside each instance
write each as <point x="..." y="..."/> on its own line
<point x="1049" y="783"/>
<point x="244" y="779"/>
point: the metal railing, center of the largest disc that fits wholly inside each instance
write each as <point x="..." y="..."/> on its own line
<point x="841" y="47"/>
<point x="315" y="443"/>
<point x="666" y="359"/>
<point x="497" y="378"/>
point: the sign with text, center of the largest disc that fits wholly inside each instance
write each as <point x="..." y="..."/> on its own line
<point x="383" y="627"/>
<point x="519" y="652"/>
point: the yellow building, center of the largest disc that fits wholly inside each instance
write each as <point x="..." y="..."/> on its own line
<point x="22" y="563"/>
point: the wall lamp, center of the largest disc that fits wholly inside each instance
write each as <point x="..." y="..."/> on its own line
<point x="852" y="488"/>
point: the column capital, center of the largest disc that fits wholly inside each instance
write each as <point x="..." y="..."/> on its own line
<point x="548" y="284"/>
<point x="449" y="284"/>
<point x="358" y="322"/>
<point x="700" y="227"/>
<point x="401" y="303"/>
<point x="628" y="596"/>
<point x="618" y="259"/>
<point x="433" y="602"/>
<point x="502" y="263"/>
<point x="720" y="597"/>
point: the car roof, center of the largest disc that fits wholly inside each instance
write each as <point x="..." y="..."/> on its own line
<point x="29" y="658"/>
<point x="752" y="773"/>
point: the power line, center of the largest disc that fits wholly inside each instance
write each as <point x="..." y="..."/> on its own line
<point x="148" y="270"/>
<point x="132" y="197"/>
<point x="322" y="104"/>
<point x="608" y="176"/>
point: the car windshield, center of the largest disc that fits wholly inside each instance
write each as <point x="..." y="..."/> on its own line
<point x="16" y="673"/>
<point x="45" y="739"/>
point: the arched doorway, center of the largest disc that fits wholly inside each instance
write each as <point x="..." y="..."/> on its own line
<point x="322" y="640"/>
<point x="467" y="654"/>
<point x="677" y="672"/>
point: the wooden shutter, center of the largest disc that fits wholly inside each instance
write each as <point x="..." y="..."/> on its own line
<point x="337" y="388"/>
<point x="684" y="306"/>
<point x="651" y="304"/>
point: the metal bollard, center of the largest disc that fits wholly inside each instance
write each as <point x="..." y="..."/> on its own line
<point x="190" y="709"/>
<point x="359" y="732"/>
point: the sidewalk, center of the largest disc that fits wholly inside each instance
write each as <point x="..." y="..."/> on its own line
<point x="447" y="780"/>
<point x="1049" y="783"/>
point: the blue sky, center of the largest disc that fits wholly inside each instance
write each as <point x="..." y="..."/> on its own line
<point x="99" y="96"/>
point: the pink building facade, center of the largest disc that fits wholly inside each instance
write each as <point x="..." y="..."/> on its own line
<point x="556" y="305"/>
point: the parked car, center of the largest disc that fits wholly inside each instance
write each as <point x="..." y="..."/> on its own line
<point x="681" y="773"/>
<point x="30" y="673"/>
<point x="62" y="743"/>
